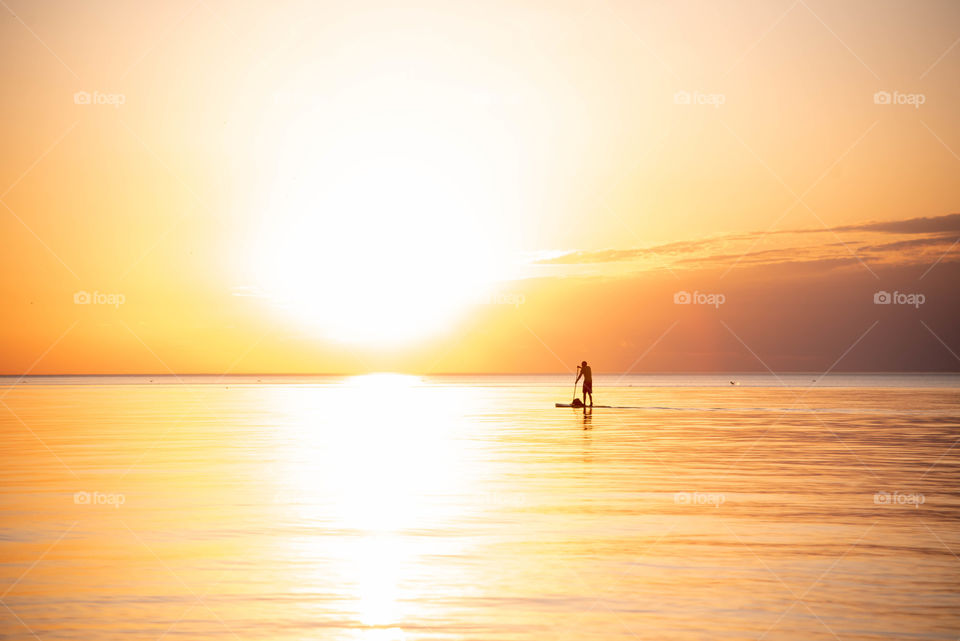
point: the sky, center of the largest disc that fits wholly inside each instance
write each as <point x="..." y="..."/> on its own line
<point x="436" y="187"/>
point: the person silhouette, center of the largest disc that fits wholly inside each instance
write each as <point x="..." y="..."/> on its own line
<point x="587" y="374"/>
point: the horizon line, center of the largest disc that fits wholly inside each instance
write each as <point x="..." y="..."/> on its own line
<point x="334" y="374"/>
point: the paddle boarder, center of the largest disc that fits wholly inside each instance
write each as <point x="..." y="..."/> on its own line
<point x="587" y="374"/>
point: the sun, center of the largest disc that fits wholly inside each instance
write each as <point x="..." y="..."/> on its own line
<point x="377" y="233"/>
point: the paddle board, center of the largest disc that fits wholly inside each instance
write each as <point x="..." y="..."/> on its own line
<point x="580" y="406"/>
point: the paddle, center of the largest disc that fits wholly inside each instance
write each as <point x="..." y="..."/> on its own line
<point x="574" y="401"/>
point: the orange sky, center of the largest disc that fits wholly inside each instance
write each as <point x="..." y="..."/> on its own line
<point x="478" y="187"/>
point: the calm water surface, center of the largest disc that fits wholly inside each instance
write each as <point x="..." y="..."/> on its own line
<point x="390" y="507"/>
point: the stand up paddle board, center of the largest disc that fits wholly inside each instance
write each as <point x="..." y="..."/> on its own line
<point x="580" y="405"/>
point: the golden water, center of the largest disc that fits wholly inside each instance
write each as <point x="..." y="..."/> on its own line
<point x="391" y="507"/>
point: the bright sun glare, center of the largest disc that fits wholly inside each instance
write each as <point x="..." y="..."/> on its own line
<point x="377" y="230"/>
<point x="371" y="475"/>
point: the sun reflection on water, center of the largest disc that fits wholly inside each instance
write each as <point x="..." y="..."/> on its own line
<point x="380" y="465"/>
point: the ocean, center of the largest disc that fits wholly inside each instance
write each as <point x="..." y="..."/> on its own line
<point x="389" y="507"/>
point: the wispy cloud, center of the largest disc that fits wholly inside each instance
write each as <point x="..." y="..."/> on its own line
<point x="899" y="242"/>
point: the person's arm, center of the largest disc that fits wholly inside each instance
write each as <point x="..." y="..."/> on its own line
<point x="579" y="374"/>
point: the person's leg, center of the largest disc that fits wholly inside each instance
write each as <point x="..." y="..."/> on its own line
<point x="591" y="398"/>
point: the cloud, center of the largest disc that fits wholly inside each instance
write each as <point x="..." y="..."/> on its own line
<point x="915" y="243"/>
<point x="947" y="223"/>
<point x="915" y="240"/>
